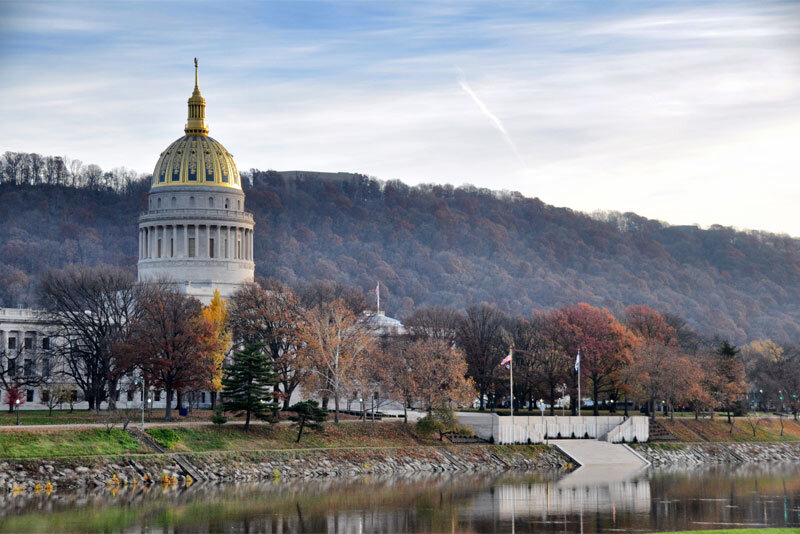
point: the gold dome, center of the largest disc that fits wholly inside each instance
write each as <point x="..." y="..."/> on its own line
<point x="196" y="158"/>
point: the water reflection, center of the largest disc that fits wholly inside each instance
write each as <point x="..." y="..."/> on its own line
<point x="587" y="500"/>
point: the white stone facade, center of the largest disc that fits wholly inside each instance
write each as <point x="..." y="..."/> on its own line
<point x="199" y="238"/>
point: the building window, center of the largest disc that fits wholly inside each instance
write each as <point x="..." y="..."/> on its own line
<point x="202" y="397"/>
<point x="73" y="395"/>
<point x="12" y="367"/>
<point x="191" y="247"/>
<point x="174" y="202"/>
<point x="239" y="205"/>
<point x="45" y="395"/>
<point x="45" y="343"/>
<point x="171" y="248"/>
<point x="159" y="248"/>
<point x="46" y="367"/>
<point x="158" y="203"/>
<point x="226" y="247"/>
<point x="28" y="343"/>
<point x="130" y="395"/>
<point x="27" y="367"/>
<point x="211" y="248"/>
<point x="157" y="396"/>
<point x="29" y="395"/>
<point x="210" y="202"/>
<point x="12" y="343"/>
<point x="226" y="203"/>
<point x="191" y="202"/>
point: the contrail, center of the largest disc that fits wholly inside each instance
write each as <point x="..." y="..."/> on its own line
<point x="492" y="117"/>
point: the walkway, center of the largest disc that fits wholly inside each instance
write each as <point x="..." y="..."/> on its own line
<point x="591" y="452"/>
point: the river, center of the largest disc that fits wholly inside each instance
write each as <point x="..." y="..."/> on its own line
<point x="583" y="501"/>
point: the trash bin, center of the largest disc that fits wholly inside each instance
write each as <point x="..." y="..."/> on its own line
<point x="184" y="412"/>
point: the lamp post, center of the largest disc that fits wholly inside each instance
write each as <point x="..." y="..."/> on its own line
<point x="612" y="406"/>
<point x="16" y="405"/>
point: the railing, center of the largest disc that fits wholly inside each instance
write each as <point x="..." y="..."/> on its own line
<point x="199" y="212"/>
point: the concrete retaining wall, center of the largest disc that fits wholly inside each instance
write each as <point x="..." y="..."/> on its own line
<point x="535" y="429"/>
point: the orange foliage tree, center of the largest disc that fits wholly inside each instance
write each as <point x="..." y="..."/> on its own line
<point x="335" y="345"/>
<point x="172" y="343"/>
<point x="216" y="314"/>
<point x="604" y="343"/>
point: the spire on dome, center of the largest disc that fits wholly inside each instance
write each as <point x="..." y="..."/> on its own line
<point x="196" y="124"/>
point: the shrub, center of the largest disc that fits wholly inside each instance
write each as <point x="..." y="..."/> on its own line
<point x="219" y="417"/>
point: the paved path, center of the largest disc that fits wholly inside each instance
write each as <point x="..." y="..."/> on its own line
<point x="591" y="452"/>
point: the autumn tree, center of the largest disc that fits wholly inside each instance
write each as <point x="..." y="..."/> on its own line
<point x="172" y="342"/>
<point x="335" y="344"/>
<point x="650" y="325"/>
<point x="439" y="373"/>
<point x="273" y="318"/>
<point x="91" y="310"/>
<point x="217" y="315"/>
<point x="484" y="340"/>
<point x="248" y="385"/>
<point x="604" y="344"/>
<point x="394" y="365"/>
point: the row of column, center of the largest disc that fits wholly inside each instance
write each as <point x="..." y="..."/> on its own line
<point x="196" y="241"/>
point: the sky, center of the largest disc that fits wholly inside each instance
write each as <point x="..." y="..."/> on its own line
<point x="683" y="112"/>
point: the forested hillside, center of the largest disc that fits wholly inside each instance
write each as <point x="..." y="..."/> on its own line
<point x="431" y="245"/>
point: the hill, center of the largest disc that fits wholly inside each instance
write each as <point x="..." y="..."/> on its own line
<point x="438" y="244"/>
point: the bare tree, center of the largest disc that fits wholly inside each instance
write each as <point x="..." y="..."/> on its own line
<point x="20" y="368"/>
<point x="91" y="310"/>
<point x="437" y="322"/>
<point x="482" y="336"/>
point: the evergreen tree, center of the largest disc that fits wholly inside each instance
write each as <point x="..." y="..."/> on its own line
<point x="247" y="385"/>
<point x="309" y="414"/>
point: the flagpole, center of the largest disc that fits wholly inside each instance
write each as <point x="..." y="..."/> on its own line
<point x="511" y="370"/>
<point x="579" y="383"/>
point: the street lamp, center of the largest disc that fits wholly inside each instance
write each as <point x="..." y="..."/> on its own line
<point x="16" y="404"/>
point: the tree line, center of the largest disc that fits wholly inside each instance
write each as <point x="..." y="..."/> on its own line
<point x="268" y="340"/>
<point x="433" y="245"/>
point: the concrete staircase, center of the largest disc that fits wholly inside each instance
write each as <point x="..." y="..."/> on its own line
<point x="591" y="452"/>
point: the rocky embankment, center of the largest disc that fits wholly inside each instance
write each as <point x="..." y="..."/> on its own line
<point x="669" y="454"/>
<point x="45" y="475"/>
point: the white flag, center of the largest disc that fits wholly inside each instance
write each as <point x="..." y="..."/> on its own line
<point x="578" y="362"/>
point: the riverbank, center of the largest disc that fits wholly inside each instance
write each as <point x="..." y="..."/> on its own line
<point x="50" y="474"/>
<point x="691" y="454"/>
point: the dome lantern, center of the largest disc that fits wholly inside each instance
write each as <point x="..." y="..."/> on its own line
<point x="196" y="124"/>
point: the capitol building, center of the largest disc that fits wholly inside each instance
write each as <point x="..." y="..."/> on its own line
<point x="195" y="235"/>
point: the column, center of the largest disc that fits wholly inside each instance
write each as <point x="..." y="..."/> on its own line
<point x="196" y="240"/>
<point x="228" y="242"/>
<point x="140" y="243"/>
<point x="252" y="251"/>
<point x="218" y="247"/>
<point x="174" y="247"/>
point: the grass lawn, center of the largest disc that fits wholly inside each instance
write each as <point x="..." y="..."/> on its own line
<point x="46" y="443"/>
<point x="232" y="437"/>
<point x="64" y="417"/>
<point x="720" y="430"/>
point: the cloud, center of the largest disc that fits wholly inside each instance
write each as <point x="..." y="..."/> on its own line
<point x="602" y="108"/>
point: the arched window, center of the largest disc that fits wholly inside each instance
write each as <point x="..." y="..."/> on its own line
<point x="174" y="202"/>
<point x="226" y="203"/>
<point x="191" y="202"/>
<point x="210" y="202"/>
<point x="158" y="203"/>
<point x="239" y="205"/>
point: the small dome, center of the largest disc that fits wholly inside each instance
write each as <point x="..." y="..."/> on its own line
<point x="196" y="160"/>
